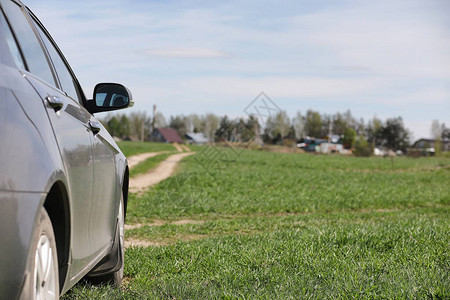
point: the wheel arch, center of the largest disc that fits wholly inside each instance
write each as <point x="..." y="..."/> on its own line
<point x="57" y="206"/>
<point x="125" y="183"/>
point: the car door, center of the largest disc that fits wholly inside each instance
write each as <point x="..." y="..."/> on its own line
<point x="106" y="191"/>
<point x="103" y="183"/>
<point x="70" y="122"/>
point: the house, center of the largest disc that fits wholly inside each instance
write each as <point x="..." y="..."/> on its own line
<point x="426" y="147"/>
<point x="165" y="135"/>
<point x="431" y="143"/>
<point x="198" y="138"/>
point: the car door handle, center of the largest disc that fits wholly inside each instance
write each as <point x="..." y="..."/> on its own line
<point x="95" y="126"/>
<point x="55" y="102"/>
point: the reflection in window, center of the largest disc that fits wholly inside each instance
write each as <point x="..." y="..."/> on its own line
<point x="64" y="75"/>
<point x="34" y="56"/>
<point x="100" y="98"/>
<point x="13" y="48"/>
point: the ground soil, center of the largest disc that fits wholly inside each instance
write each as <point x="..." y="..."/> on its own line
<point x="136" y="159"/>
<point x="163" y="171"/>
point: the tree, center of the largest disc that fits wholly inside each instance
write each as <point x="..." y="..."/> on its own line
<point x="299" y="126"/>
<point x="282" y="124"/>
<point x="349" y="138"/>
<point x="194" y="123"/>
<point x="160" y="121"/>
<point x="140" y="125"/>
<point x="326" y="125"/>
<point x="339" y="124"/>
<point x="225" y="130"/>
<point x="349" y="120"/>
<point x="438" y="132"/>
<point x="394" y="136"/>
<point x="125" y="126"/>
<point x="445" y="132"/>
<point x="113" y="126"/>
<point x="117" y="125"/>
<point x="179" y="124"/>
<point x="253" y="129"/>
<point x="211" y="125"/>
<point x="360" y="127"/>
<point x="436" y="129"/>
<point x="373" y="131"/>
<point x="313" y="124"/>
<point x="361" y="147"/>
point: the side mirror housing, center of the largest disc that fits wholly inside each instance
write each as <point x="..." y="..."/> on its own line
<point x="109" y="97"/>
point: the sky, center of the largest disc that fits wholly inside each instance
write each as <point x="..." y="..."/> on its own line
<point x="377" y="58"/>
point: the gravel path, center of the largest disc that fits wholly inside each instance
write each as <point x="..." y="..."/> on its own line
<point x="163" y="171"/>
<point x="136" y="159"/>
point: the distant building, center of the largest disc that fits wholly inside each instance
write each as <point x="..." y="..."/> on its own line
<point x="427" y="147"/>
<point x="431" y="143"/>
<point x="198" y="138"/>
<point x="165" y="135"/>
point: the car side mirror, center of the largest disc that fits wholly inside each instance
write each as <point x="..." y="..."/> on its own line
<point x="110" y="96"/>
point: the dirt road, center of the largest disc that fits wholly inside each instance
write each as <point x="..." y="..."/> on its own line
<point x="136" y="159"/>
<point x="163" y="171"/>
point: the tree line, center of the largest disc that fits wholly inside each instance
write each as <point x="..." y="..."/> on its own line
<point x="279" y="129"/>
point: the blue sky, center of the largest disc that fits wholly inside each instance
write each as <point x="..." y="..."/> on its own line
<point x="376" y="58"/>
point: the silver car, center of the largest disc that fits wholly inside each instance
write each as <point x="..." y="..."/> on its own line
<point x="63" y="180"/>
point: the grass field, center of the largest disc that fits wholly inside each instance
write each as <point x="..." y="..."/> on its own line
<point x="132" y="148"/>
<point x="262" y="225"/>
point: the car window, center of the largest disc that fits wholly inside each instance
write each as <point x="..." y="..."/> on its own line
<point x="68" y="83"/>
<point x="11" y="42"/>
<point x="35" y="58"/>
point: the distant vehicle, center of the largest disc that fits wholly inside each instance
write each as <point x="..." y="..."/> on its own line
<point x="63" y="180"/>
<point x="309" y="145"/>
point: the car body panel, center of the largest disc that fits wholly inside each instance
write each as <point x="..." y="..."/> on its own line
<point x="105" y="190"/>
<point x="24" y="148"/>
<point x="17" y="227"/>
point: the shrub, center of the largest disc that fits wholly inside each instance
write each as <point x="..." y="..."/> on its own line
<point x="361" y="147"/>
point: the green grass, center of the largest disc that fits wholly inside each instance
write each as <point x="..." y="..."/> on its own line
<point x="364" y="259"/>
<point x="149" y="163"/>
<point x="261" y="182"/>
<point x="263" y="225"/>
<point x="132" y="148"/>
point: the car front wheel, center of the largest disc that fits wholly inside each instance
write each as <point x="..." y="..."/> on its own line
<point x="43" y="262"/>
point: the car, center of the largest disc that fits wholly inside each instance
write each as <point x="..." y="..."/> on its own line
<point x="63" y="179"/>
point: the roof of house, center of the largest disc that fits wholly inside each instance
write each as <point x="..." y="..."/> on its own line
<point x="170" y="135"/>
<point x="197" y="137"/>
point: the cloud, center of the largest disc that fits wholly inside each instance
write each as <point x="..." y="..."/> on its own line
<point x="286" y="86"/>
<point x="390" y="37"/>
<point x="185" y="53"/>
<point x="427" y="96"/>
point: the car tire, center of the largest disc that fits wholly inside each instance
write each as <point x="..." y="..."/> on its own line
<point x="115" y="278"/>
<point x="42" y="268"/>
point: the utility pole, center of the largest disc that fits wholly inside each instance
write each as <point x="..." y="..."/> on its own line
<point x="329" y="137"/>
<point x="154" y="117"/>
